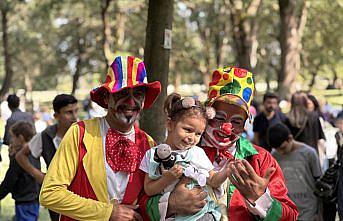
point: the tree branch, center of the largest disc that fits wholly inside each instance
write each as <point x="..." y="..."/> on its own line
<point x="253" y="7"/>
<point x="302" y="21"/>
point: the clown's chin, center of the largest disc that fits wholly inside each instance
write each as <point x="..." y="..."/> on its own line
<point x="127" y="119"/>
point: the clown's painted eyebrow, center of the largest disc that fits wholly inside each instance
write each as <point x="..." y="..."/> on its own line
<point x="237" y="117"/>
<point x="221" y="114"/>
<point x="224" y="115"/>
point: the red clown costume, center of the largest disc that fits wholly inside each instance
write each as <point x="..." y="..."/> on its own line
<point x="235" y="86"/>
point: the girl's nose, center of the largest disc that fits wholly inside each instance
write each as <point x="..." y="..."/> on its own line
<point x="190" y="139"/>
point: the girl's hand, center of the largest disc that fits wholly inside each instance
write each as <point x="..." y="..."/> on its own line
<point x="174" y="173"/>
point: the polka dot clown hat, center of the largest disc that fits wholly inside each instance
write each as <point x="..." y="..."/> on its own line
<point x="126" y="72"/>
<point x="232" y="85"/>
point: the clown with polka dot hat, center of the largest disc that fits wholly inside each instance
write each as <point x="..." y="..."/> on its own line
<point x="255" y="187"/>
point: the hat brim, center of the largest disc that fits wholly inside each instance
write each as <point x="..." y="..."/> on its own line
<point x="231" y="99"/>
<point x="153" y="89"/>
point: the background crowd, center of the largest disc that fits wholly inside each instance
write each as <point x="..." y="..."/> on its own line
<point x="306" y="140"/>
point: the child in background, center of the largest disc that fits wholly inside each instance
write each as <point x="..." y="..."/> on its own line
<point x="21" y="185"/>
<point x="186" y="122"/>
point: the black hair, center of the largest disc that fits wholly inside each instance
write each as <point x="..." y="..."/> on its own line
<point x="315" y="104"/>
<point x="269" y="95"/>
<point x="175" y="110"/>
<point x="277" y="134"/>
<point x="13" y="101"/>
<point x="63" y="100"/>
<point x="24" y="128"/>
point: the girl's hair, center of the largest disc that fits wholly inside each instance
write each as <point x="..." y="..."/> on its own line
<point x="23" y="128"/>
<point x="298" y="114"/>
<point x="176" y="108"/>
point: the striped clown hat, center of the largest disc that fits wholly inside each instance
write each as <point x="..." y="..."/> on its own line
<point x="126" y="72"/>
<point x="232" y="85"/>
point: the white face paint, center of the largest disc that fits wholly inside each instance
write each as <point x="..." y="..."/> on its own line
<point x="127" y="104"/>
<point x="215" y="137"/>
<point x="127" y="113"/>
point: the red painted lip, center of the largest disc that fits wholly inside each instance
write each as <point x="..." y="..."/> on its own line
<point x="223" y="137"/>
<point x="220" y="136"/>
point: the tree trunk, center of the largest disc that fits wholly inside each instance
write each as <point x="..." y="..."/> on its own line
<point x="205" y="39"/>
<point x="291" y="30"/>
<point x="80" y="59"/>
<point x="7" y="57"/>
<point x="313" y="79"/>
<point x="121" y="19"/>
<point x="268" y="82"/>
<point x="76" y="75"/>
<point x="156" y="58"/>
<point x="335" y="77"/>
<point x="106" y="32"/>
<point x="28" y="91"/>
<point x="244" y="31"/>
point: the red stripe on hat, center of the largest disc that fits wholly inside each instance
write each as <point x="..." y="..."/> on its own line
<point x="129" y="70"/>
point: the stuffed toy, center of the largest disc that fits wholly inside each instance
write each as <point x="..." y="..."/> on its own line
<point x="164" y="155"/>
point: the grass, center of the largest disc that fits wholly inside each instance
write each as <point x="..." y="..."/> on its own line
<point x="7" y="210"/>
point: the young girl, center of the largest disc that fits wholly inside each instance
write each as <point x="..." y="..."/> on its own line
<point x="23" y="187"/>
<point x="185" y="123"/>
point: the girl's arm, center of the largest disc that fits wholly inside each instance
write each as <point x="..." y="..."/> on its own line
<point x="153" y="187"/>
<point x="217" y="178"/>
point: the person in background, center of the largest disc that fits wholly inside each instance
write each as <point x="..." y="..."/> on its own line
<point x="18" y="182"/>
<point x="304" y="125"/>
<point x="46" y="143"/>
<point x="47" y="116"/>
<point x="17" y="115"/>
<point x="13" y="102"/>
<point x="301" y="168"/>
<point x="40" y="124"/>
<point x="339" y="140"/>
<point x="268" y="116"/>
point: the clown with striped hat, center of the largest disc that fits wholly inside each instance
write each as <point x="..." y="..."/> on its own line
<point x="126" y="72"/>
<point x="95" y="173"/>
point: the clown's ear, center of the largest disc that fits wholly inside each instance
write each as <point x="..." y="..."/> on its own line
<point x="210" y="112"/>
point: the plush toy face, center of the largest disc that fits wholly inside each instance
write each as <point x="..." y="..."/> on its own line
<point x="163" y="151"/>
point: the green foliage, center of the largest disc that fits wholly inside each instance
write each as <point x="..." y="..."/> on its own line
<point x="322" y="43"/>
<point x="47" y="37"/>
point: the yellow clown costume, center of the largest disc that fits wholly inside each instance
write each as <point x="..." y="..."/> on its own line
<point x="80" y="176"/>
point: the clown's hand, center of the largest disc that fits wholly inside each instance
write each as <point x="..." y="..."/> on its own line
<point x="124" y="212"/>
<point x="249" y="184"/>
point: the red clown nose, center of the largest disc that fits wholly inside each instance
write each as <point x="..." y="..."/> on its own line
<point x="226" y="128"/>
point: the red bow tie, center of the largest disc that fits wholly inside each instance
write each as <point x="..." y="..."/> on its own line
<point x="211" y="153"/>
<point x="121" y="153"/>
